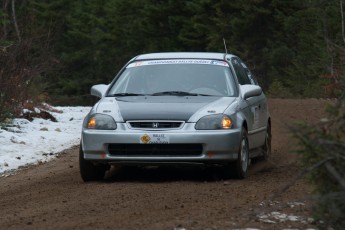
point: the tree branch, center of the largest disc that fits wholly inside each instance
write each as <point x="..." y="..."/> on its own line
<point x="335" y="174"/>
<point x="302" y="174"/>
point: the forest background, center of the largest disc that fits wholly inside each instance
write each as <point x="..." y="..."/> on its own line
<point x="55" y="50"/>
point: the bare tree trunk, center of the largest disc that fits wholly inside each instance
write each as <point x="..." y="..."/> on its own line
<point x="342" y="20"/>
<point x="15" y="21"/>
<point x="4" y="18"/>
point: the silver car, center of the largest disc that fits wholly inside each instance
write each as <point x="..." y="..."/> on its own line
<point x="177" y="108"/>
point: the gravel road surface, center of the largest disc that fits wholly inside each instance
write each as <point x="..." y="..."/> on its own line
<point x="53" y="196"/>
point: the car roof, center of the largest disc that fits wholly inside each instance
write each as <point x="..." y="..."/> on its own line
<point x="187" y="55"/>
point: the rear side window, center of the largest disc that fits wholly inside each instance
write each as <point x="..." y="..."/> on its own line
<point x="241" y="74"/>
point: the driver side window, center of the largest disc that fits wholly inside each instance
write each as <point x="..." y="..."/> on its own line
<point x="241" y="74"/>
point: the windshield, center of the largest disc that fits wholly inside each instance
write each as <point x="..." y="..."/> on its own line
<point x="175" y="77"/>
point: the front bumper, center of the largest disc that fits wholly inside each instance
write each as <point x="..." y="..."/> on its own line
<point x="216" y="146"/>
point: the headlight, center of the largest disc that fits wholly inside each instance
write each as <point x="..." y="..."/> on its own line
<point x="217" y="121"/>
<point x="100" y="121"/>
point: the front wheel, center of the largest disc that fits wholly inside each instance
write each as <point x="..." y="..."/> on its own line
<point x="242" y="162"/>
<point x="238" y="168"/>
<point x="267" y="147"/>
<point x="88" y="170"/>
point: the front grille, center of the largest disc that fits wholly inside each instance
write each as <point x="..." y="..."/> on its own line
<point x="155" y="149"/>
<point x="155" y="124"/>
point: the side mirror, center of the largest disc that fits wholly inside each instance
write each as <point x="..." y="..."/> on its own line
<point x="99" y="90"/>
<point x="248" y="91"/>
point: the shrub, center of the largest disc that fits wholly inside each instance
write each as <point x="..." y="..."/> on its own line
<point x="323" y="153"/>
<point x="278" y="90"/>
<point x="22" y="64"/>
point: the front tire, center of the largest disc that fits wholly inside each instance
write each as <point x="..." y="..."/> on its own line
<point x="242" y="162"/>
<point x="267" y="147"/>
<point x="238" y="169"/>
<point x="88" y="170"/>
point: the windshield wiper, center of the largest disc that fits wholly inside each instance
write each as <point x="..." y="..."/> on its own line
<point x="125" y="94"/>
<point x="177" y="93"/>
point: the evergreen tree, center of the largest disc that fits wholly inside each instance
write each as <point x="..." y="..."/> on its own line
<point x="285" y="42"/>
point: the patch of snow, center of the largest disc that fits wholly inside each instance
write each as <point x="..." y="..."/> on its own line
<point x="37" y="110"/>
<point x="24" y="142"/>
<point x="310" y="220"/>
<point x="293" y="218"/>
<point x="27" y="111"/>
<point x="293" y="204"/>
<point x="273" y="217"/>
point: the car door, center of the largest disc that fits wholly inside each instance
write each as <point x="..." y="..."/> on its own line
<point x="253" y="105"/>
<point x="263" y="110"/>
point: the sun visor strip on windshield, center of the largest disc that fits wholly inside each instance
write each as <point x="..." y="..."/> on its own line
<point x="178" y="61"/>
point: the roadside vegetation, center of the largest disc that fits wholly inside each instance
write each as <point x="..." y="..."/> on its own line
<point x="323" y="148"/>
<point x="54" y="50"/>
<point x="323" y="158"/>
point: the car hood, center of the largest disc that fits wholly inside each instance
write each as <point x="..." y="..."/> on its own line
<point x="189" y="109"/>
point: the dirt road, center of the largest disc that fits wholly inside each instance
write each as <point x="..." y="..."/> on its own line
<point x="53" y="196"/>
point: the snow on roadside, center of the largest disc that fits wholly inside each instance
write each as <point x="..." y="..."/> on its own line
<point x="268" y="216"/>
<point x="26" y="142"/>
